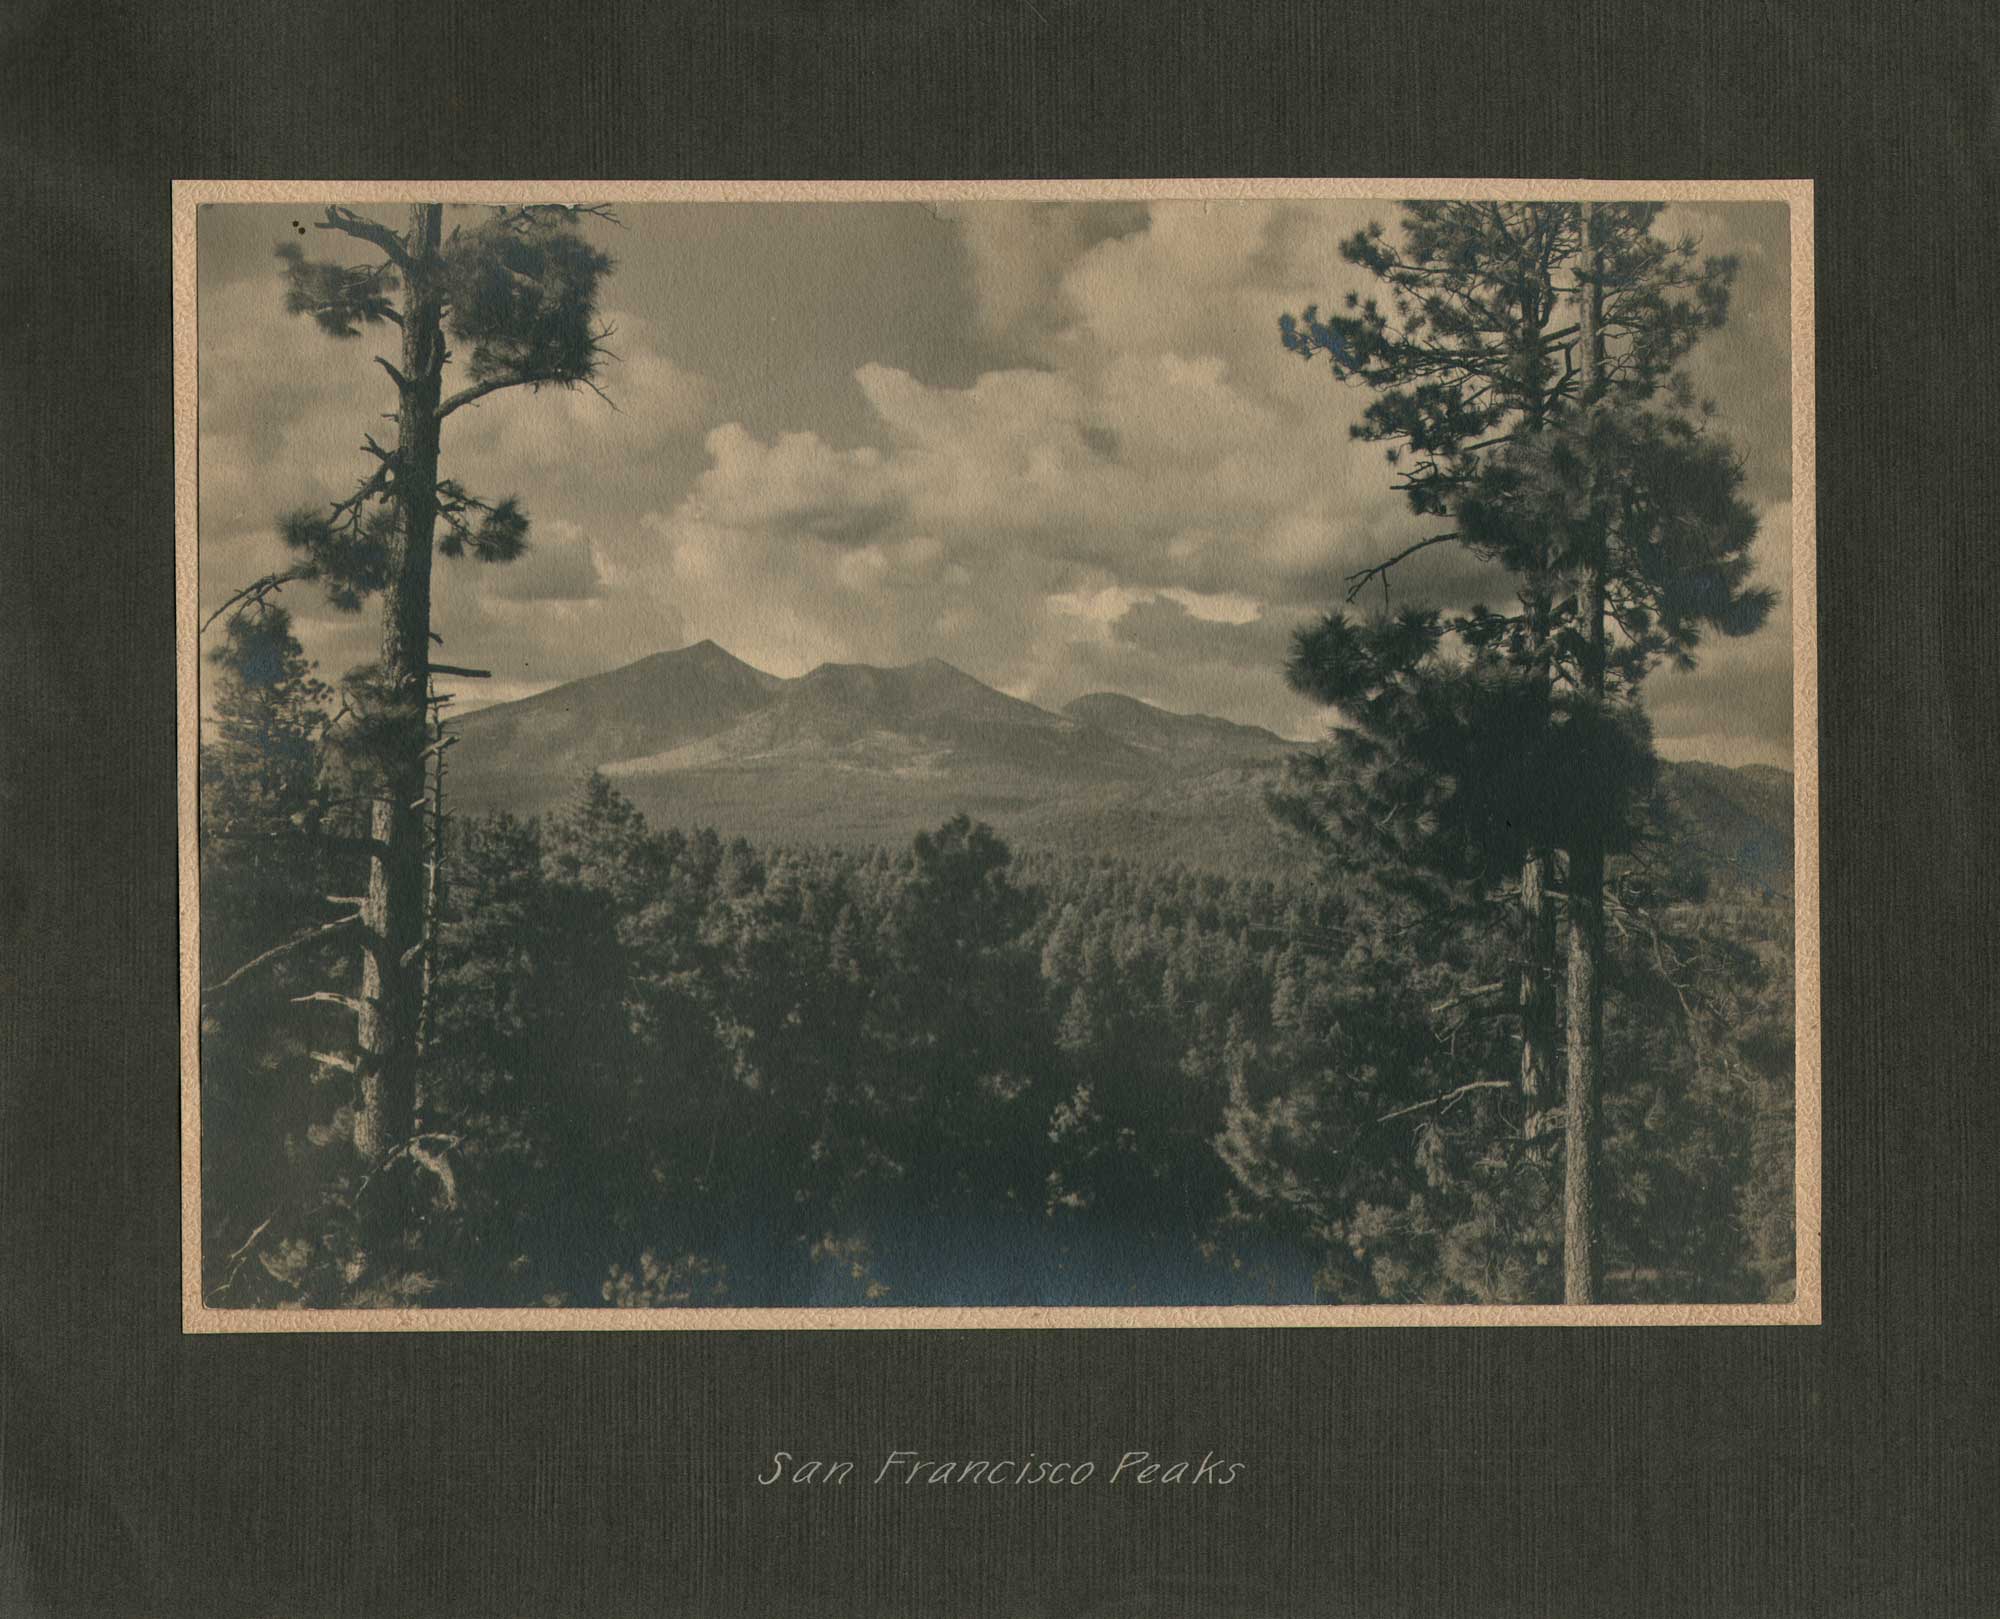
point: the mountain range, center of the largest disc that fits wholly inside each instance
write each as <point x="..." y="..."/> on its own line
<point x="857" y="755"/>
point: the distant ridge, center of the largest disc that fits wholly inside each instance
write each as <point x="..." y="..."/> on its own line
<point x="1159" y="730"/>
<point x="922" y="718"/>
<point x="1738" y="820"/>
<point x="861" y="755"/>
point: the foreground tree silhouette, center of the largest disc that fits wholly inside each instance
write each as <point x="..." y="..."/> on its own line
<point x="517" y="293"/>
<point x="1525" y="382"/>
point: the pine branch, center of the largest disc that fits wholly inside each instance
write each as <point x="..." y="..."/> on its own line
<point x="524" y="379"/>
<point x="479" y="390"/>
<point x="540" y="377"/>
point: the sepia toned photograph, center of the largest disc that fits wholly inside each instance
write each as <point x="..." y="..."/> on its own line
<point x="978" y="755"/>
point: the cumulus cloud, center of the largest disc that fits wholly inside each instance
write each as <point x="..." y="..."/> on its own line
<point x="1746" y="368"/>
<point x="561" y="434"/>
<point x="798" y="484"/>
<point x="1020" y="253"/>
<point x="283" y="409"/>
<point x="1118" y="480"/>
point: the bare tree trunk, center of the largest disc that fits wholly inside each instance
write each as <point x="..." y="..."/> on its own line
<point x="393" y="916"/>
<point x="1541" y="1087"/>
<point x="440" y="744"/>
<point x="1541" y="1092"/>
<point x="1538" y="994"/>
<point x="1583" y="1263"/>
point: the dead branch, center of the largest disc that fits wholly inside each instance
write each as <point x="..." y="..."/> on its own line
<point x="347" y="513"/>
<point x="254" y="593"/>
<point x="347" y="1001"/>
<point x="247" y="1241"/>
<point x="362" y="228"/>
<point x="514" y="219"/>
<point x="345" y="711"/>
<point x="413" y="1149"/>
<point x="437" y="1164"/>
<point x="1356" y="581"/>
<point x="1477" y="992"/>
<point x="238" y="1259"/>
<point x="275" y="951"/>
<point x="1446" y="1098"/>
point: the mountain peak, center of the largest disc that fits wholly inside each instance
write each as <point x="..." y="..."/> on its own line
<point x="1109" y="701"/>
<point x="937" y="666"/>
<point x="715" y="662"/>
<point x="660" y="701"/>
<point x="835" y="666"/>
<point x="706" y="651"/>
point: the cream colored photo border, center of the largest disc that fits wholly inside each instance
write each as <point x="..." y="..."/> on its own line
<point x="1804" y="1310"/>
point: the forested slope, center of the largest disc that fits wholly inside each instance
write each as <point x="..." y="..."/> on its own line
<point x="671" y="1068"/>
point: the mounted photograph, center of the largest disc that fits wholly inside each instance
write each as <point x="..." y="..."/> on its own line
<point x="991" y="755"/>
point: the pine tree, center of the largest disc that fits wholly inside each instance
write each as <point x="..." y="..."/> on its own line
<point x="516" y="293"/>
<point x="1525" y="382"/>
<point x="264" y="868"/>
<point x="262" y="805"/>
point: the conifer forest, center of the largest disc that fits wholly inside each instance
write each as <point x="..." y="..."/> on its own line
<point x="673" y="983"/>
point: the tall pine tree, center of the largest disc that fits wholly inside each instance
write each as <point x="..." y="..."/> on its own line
<point x="1526" y="385"/>
<point x="512" y="299"/>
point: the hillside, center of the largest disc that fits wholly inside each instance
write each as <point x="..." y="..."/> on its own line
<point x="646" y="707"/>
<point x="1739" y="821"/>
<point x="1170" y="736"/>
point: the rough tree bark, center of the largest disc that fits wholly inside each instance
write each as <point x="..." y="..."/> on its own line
<point x="1540" y="1090"/>
<point x="1537" y="999"/>
<point x="1583" y="1261"/>
<point x="393" y="915"/>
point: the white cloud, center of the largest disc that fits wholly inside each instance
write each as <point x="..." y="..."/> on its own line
<point x="1141" y="491"/>
<point x="796" y="484"/>
<point x="646" y="402"/>
<point x="1019" y="255"/>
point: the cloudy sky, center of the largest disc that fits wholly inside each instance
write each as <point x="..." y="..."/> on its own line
<point x="1056" y="444"/>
